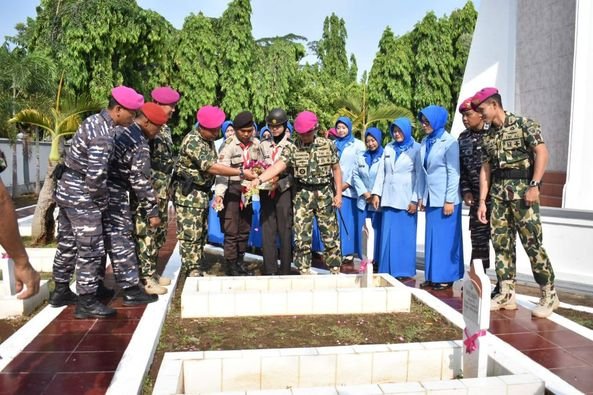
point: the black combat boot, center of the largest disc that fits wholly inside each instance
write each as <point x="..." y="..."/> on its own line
<point x="62" y="295"/>
<point x="245" y="266"/>
<point x="103" y="292"/>
<point x="88" y="306"/>
<point x="134" y="296"/>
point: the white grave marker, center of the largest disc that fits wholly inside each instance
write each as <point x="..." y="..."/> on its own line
<point x="476" y="314"/>
<point x="8" y="278"/>
<point x="368" y="251"/>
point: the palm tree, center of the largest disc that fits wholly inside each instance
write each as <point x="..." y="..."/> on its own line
<point x="62" y="121"/>
<point x="356" y="107"/>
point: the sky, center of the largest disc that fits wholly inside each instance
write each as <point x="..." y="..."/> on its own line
<point x="365" y="20"/>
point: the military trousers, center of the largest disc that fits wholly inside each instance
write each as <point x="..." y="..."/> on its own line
<point x="80" y="247"/>
<point x="308" y="204"/>
<point x="119" y="241"/>
<point x="508" y="218"/>
<point x="192" y="231"/>
<point x="480" y="235"/>
<point x="276" y="223"/>
<point x="149" y="240"/>
<point x="235" y="223"/>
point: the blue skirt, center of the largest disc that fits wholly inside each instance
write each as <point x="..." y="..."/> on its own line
<point x="215" y="234"/>
<point x="443" y="246"/>
<point x="255" y="235"/>
<point x="350" y="222"/>
<point x="376" y="220"/>
<point x="398" y="243"/>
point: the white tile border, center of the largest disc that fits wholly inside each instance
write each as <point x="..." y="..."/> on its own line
<point x="136" y="360"/>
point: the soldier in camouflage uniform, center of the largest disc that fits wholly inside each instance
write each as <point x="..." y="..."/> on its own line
<point x="129" y="170"/>
<point x="150" y="240"/>
<point x="192" y="184"/>
<point x="515" y="162"/>
<point x="276" y="204"/>
<point x="238" y="152"/>
<point x="315" y="162"/>
<point x="82" y="196"/>
<point x="10" y="240"/>
<point x="471" y="154"/>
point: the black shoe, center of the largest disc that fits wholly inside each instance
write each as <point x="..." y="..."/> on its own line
<point x="134" y="296"/>
<point x="495" y="291"/>
<point x="426" y="284"/>
<point x="62" y="296"/>
<point x="103" y="292"/>
<point x="88" y="306"/>
<point x="441" y="286"/>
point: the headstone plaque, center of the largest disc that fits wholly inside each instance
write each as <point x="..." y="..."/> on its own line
<point x="368" y="251"/>
<point x="476" y="314"/>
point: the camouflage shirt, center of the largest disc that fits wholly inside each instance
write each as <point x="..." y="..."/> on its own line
<point x="88" y="157"/>
<point x="129" y="167"/>
<point x="161" y="158"/>
<point x="196" y="156"/>
<point x="510" y="146"/>
<point x="3" y="163"/>
<point x="311" y="163"/>
<point x="271" y="153"/>
<point x="235" y="154"/>
<point x="471" y="156"/>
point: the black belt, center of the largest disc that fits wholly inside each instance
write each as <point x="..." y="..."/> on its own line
<point x="203" y="188"/>
<point x="513" y="174"/>
<point x="163" y="168"/>
<point x="311" y="187"/>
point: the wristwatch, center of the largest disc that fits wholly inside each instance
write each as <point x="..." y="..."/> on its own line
<point x="241" y="173"/>
<point x="534" y="183"/>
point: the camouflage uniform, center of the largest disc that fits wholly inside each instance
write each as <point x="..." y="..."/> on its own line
<point x="236" y="215"/>
<point x="509" y="150"/>
<point x="82" y="195"/>
<point x="276" y="212"/>
<point x="471" y="155"/>
<point x="312" y="167"/>
<point x="129" y="170"/>
<point x="150" y="240"/>
<point x="196" y="156"/>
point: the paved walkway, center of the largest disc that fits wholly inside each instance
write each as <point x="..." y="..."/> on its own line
<point x="80" y="356"/>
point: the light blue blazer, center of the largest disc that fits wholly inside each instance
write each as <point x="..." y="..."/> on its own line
<point x="397" y="180"/>
<point x="363" y="179"/>
<point x="348" y="162"/>
<point x="440" y="178"/>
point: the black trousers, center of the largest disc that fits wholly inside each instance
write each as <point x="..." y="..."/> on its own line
<point x="235" y="223"/>
<point x="276" y="222"/>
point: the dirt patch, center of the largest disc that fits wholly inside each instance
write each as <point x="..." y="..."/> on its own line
<point x="25" y="200"/>
<point x="421" y="324"/>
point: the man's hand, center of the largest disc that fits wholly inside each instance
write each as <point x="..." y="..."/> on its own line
<point x="217" y="203"/>
<point x="337" y="201"/>
<point x="448" y="209"/>
<point x="249" y="175"/>
<point x="532" y="196"/>
<point x="375" y="201"/>
<point x="468" y="199"/>
<point x="27" y="280"/>
<point x="154" y="222"/>
<point x="412" y="208"/>
<point x="482" y="212"/>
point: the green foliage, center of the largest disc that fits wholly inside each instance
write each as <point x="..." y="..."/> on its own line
<point x="434" y="62"/>
<point x="275" y="76"/>
<point x="25" y="78"/>
<point x="390" y="79"/>
<point x="462" y="22"/>
<point x="331" y="49"/>
<point x="236" y="57"/>
<point x="195" y="74"/>
<point x="353" y="73"/>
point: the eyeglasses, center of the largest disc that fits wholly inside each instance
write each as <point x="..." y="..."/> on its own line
<point x="280" y="125"/>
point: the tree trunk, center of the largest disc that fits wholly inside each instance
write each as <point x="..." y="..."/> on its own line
<point x="43" y="226"/>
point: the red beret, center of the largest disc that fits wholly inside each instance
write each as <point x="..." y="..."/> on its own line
<point x="127" y="97"/>
<point x="466" y="105"/>
<point x="305" y="122"/>
<point x="210" y="117"/>
<point x="154" y="113"/>
<point x="165" y="95"/>
<point x="481" y="96"/>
